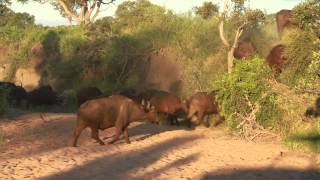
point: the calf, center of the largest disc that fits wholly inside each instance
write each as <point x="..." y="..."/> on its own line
<point x="201" y="104"/>
<point x="113" y="111"/>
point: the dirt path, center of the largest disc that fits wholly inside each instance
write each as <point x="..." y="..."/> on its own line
<point x="38" y="147"/>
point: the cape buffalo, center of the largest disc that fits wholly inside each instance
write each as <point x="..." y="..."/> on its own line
<point x="284" y="20"/>
<point x="201" y="104"/>
<point x="106" y="112"/>
<point x="244" y="49"/>
<point x="43" y="95"/>
<point x="15" y="94"/>
<point x="277" y="59"/>
<point x="130" y="93"/>
<point x="87" y="93"/>
<point x="145" y="96"/>
<point x="314" y="111"/>
<point x="170" y="105"/>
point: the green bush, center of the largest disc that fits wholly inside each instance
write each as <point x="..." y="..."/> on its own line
<point x="247" y="84"/>
<point x="310" y="81"/>
<point x="299" y="47"/>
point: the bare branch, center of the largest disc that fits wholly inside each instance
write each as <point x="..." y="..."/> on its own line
<point x="67" y="10"/>
<point x="88" y="15"/>
<point x="238" y="35"/>
<point x="110" y="2"/>
<point x="221" y="33"/>
<point x="96" y="13"/>
<point x="221" y="30"/>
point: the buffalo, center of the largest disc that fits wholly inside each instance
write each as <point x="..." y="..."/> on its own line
<point x="201" y="104"/>
<point x="113" y="111"/>
<point x="314" y="111"/>
<point x="170" y="105"/>
<point x="43" y="95"/>
<point x="284" y="20"/>
<point x="244" y="49"/>
<point x="145" y="96"/>
<point x="87" y="93"/>
<point x="15" y="94"/>
<point x="130" y="93"/>
<point x="277" y="59"/>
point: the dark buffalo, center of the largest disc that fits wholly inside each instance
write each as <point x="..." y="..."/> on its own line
<point x="244" y="49"/>
<point x="103" y="113"/>
<point x="170" y="105"/>
<point x="314" y="111"/>
<point x="43" y="95"/>
<point x="87" y="93"/>
<point x="130" y="93"/>
<point x="19" y="94"/>
<point x="284" y="20"/>
<point x="201" y="104"/>
<point x="15" y="94"/>
<point x="277" y="59"/>
<point x="145" y="96"/>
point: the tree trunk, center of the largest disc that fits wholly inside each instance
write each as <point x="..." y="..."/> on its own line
<point x="230" y="59"/>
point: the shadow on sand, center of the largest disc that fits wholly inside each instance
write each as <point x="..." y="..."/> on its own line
<point x="119" y="166"/>
<point x="261" y="174"/>
<point x="55" y="131"/>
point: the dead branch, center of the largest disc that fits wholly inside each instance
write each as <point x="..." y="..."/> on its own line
<point x="249" y="127"/>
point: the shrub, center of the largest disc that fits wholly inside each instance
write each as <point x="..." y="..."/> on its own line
<point x="310" y="81"/>
<point x="299" y="47"/>
<point x="247" y="84"/>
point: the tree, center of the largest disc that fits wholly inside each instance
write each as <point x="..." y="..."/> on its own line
<point x="241" y="19"/>
<point x="207" y="10"/>
<point x="10" y="18"/>
<point x="81" y="11"/>
<point x="307" y="15"/>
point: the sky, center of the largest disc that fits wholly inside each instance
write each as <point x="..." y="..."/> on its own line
<point x="46" y="15"/>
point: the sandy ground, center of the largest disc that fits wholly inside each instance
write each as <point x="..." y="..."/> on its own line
<point x="37" y="146"/>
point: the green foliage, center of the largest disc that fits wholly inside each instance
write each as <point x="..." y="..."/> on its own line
<point x="207" y="10"/>
<point x="309" y="139"/>
<point x="10" y="18"/>
<point x="247" y="84"/>
<point x="130" y="14"/>
<point x="310" y="81"/>
<point x="307" y="15"/>
<point x="299" y="47"/>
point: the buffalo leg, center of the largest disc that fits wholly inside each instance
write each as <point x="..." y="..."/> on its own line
<point x="121" y="119"/>
<point x="80" y="127"/>
<point x="188" y="123"/>
<point x="116" y="136"/>
<point x="171" y="119"/>
<point x="119" y="129"/>
<point x="220" y="120"/>
<point x="95" y="135"/>
<point x="200" y="117"/>
<point x="126" y="135"/>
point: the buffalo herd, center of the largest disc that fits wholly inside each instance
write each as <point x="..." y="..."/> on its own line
<point x="276" y="58"/>
<point x="100" y="112"/>
<point x="17" y="95"/>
